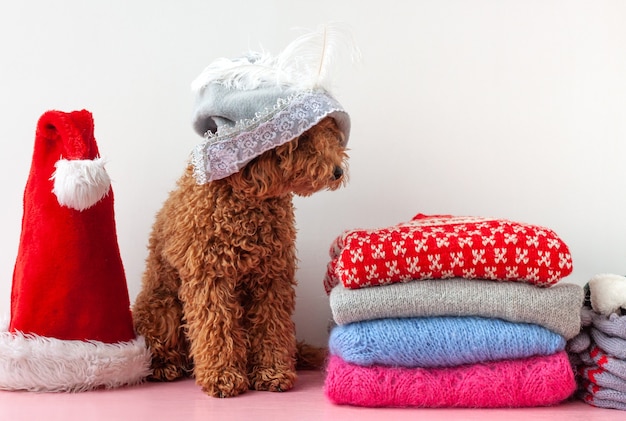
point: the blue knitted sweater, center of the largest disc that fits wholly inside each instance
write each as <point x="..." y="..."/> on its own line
<point x="440" y="341"/>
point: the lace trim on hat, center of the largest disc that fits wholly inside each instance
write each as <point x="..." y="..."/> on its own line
<point x="224" y="153"/>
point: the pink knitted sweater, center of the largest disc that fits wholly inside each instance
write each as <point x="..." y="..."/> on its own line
<point x="536" y="381"/>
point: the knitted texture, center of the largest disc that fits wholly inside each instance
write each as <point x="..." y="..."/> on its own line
<point x="598" y="376"/>
<point x="599" y="352"/>
<point x="603" y="379"/>
<point x="600" y="359"/>
<point x="440" y="341"/>
<point x="602" y="397"/>
<point x="556" y="308"/>
<point x="606" y="332"/>
<point x="613" y="345"/>
<point x="603" y="403"/>
<point x="536" y="381"/>
<point x="438" y="247"/>
<point x="612" y="325"/>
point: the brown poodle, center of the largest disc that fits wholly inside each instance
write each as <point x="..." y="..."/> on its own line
<point x="218" y="290"/>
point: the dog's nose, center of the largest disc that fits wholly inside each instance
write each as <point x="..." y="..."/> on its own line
<point x="338" y="173"/>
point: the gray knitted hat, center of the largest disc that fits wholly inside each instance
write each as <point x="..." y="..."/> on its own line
<point x="252" y="104"/>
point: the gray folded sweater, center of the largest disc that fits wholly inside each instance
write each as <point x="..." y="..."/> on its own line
<point x="556" y="308"/>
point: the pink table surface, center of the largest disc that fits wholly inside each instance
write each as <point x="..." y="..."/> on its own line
<point x="183" y="400"/>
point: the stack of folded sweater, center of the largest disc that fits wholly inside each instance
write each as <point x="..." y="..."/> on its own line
<point x="421" y="322"/>
<point x="599" y="350"/>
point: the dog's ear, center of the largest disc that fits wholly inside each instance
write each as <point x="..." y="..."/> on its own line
<point x="328" y="127"/>
<point x="261" y="177"/>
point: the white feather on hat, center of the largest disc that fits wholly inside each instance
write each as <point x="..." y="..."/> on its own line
<point x="308" y="62"/>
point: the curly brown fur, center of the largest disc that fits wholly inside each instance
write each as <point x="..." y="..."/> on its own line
<point x="218" y="290"/>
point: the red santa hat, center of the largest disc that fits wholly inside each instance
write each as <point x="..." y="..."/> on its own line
<point x="71" y="326"/>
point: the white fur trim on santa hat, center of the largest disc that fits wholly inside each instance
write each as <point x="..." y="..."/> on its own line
<point x="40" y="364"/>
<point x="80" y="183"/>
<point x="608" y="293"/>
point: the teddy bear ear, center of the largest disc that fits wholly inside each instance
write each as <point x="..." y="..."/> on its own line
<point x="608" y="293"/>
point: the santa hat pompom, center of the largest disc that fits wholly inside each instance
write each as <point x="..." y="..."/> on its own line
<point x="81" y="183"/>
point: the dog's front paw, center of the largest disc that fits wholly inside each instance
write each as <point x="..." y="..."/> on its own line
<point x="166" y="373"/>
<point x="224" y="383"/>
<point x="272" y="379"/>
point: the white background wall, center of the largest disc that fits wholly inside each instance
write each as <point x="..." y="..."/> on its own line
<point x="514" y="109"/>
